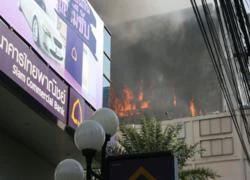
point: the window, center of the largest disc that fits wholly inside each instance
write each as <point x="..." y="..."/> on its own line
<point x="106" y="88"/>
<point x="106" y="66"/>
<point x="107" y="43"/>
<point x="217" y="147"/>
<point x="210" y="127"/>
<point x="182" y="131"/>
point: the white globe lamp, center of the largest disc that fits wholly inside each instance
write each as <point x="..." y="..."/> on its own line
<point x="108" y="119"/>
<point x="89" y="135"/>
<point x="69" y="169"/>
<point x="89" y="138"/>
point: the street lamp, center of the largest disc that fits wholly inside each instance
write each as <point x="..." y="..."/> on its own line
<point x="89" y="138"/>
<point x="110" y="123"/>
<point x="69" y="169"/>
<point x="92" y="136"/>
<point x="108" y="119"/>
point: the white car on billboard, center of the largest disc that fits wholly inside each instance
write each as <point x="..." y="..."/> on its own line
<point x="44" y="30"/>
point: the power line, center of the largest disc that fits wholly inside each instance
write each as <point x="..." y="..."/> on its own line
<point x="226" y="32"/>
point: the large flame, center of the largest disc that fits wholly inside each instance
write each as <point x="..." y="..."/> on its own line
<point x="128" y="105"/>
<point x="192" y="108"/>
<point x="174" y="101"/>
<point x="144" y="104"/>
<point x="140" y="96"/>
<point x="140" y="93"/>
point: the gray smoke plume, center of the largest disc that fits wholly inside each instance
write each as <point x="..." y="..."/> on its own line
<point x="166" y="51"/>
<point x="119" y="11"/>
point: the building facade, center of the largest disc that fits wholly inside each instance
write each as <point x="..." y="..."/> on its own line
<point x="54" y="73"/>
<point x="217" y="137"/>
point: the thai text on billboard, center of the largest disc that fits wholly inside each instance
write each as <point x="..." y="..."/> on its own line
<point x="24" y="67"/>
<point x="68" y="34"/>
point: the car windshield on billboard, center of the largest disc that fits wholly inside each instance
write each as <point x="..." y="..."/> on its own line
<point x="68" y="34"/>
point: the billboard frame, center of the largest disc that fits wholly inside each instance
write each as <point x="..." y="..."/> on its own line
<point x="138" y="156"/>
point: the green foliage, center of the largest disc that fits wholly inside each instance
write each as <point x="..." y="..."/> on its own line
<point x="151" y="137"/>
<point x="197" y="174"/>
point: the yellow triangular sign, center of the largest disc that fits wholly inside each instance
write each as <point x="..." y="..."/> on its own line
<point x="141" y="171"/>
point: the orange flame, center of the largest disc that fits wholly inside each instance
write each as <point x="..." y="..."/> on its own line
<point x="192" y="108"/>
<point x="128" y="93"/>
<point x="128" y="106"/>
<point x="174" y="101"/>
<point x="140" y="93"/>
<point x="140" y="96"/>
<point x="145" y="105"/>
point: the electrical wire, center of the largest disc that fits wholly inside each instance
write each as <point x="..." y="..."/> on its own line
<point x="226" y="33"/>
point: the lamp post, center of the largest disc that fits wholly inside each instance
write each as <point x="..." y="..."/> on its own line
<point x="69" y="169"/>
<point x="92" y="136"/>
<point x="89" y="138"/>
<point x="110" y="123"/>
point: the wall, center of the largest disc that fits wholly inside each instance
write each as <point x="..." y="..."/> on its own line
<point x="217" y="136"/>
<point x="19" y="163"/>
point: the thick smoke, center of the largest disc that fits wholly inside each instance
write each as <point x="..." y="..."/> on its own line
<point x="120" y="11"/>
<point x="167" y="52"/>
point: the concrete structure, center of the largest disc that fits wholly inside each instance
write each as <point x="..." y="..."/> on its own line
<point x="33" y="140"/>
<point x="215" y="134"/>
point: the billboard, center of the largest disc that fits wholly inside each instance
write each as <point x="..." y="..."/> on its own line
<point x="153" y="166"/>
<point x="68" y="34"/>
<point x="24" y="67"/>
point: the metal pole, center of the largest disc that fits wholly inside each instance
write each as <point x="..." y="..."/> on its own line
<point x="89" y="154"/>
<point x="89" y="162"/>
<point x="103" y="156"/>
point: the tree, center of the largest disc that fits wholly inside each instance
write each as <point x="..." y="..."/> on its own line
<point x="151" y="137"/>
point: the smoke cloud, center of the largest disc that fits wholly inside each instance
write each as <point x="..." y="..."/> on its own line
<point x="119" y="11"/>
<point x="163" y="48"/>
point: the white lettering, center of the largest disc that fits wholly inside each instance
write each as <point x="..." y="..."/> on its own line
<point x="24" y="69"/>
<point x="58" y="108"/>
<point x="18" y="73"/>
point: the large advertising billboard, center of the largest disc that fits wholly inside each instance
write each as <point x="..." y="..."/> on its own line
<point x="68" y="34"/>
<point x="24" y="67"/>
